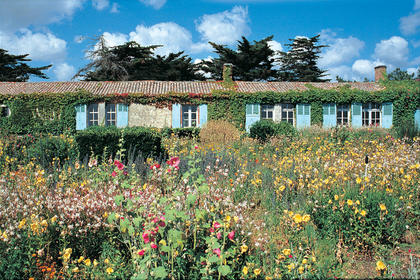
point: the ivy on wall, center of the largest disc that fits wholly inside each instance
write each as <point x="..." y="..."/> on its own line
<point x="54" y="112"/>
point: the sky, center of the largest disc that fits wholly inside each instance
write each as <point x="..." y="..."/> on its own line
<point x="361" y="34"/>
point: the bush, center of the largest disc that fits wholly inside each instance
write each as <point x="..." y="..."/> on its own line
<point x="49" y="149"/>
<point x="188" y="132"/>
<point x="219" y="132"/>
<point x="265" y="129"/>
<point x="101" y="141"/>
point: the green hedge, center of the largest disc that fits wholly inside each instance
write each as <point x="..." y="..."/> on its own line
<point x="264" y="129"/>
<point x="190" y="132"/>
<point x="101" y="141"/>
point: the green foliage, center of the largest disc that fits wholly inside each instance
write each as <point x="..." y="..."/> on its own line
<point x="101" y="141"/>
<point x="264" y="129"/>
<point x="189" y="132"/>
<point x="251" y="62"/>
<point x="14" y="69"/>
<point x="400" y="75"/>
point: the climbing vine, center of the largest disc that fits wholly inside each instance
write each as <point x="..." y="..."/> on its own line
<point x="54" y="112"/>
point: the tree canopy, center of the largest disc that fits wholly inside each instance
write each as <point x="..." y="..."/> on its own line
<point x="299" y="64"/>
<point x="401" y="75"/>
<point x="130" y="61"/>
<point x="252" y="61"/>
<point x="14" y="69"/>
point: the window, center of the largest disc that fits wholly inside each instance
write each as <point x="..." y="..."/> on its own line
<point x="189" y="116"/>
<point x="110" y="114"/>
<point x="4" y="111"/>
<point x="267" y="112"/>
<point x="371" y="114"/>
<point x="343" y="114"/>
<point x="93" y="115"/>
<point x="287" y="113"/>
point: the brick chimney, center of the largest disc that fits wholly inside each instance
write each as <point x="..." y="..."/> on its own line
<point x="227" y="72"/>
<point x="380" y="72"/>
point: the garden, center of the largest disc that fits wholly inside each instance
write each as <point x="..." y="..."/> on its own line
<point x="210" y="204"/>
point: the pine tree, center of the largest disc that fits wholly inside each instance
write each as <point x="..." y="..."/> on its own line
<point x="251" y="62"/>
<point x="400" y="75"/>
<point x="300" y="62"/>
<point x="13" y="68"/>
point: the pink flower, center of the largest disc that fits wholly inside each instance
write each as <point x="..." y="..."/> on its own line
<point x="216" y="225"/>
<point x="114" y="174"/>
<point x="146" y="238"/>
<point x="162" y="224"/>
<point x="155" y="220"/>
<point x="141" y="253"/>
<point x="290" y="256"/>
<point x="219" y="235"/>
<point x="153" y="245"/>
<point x="196" y="147"/>
<point x="409" y="250"/>
<point x="211" y="230"/>
<point x="155" y="166"/>
<point x="231" y="235"/>
<point x="119" y="165"/>
<point x="174" y="162"/>
<point x="217" y="252"/>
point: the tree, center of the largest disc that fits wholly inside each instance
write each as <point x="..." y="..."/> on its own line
<point x="251" y="62"/>
<point x="130" y="61"/>
<point x="300" y="62"/>
<point x="400" y="75"/>
<point x="13" y="68"/>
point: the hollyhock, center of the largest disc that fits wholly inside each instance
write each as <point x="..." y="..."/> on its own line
<point x="174" y="162"/>
<point x="216" y="225"/>
<point x="231" y="235"/>
<point x="146" y="238"/>
<point x="217" y="252"/>
<point x="141" y="252"/>
<point x="114" y="174"/>
<point x="219" y="235"/>
<point x="153" y="245"/>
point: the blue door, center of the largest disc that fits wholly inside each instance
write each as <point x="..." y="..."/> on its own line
<point x="356" y="115"/>
<point x="81" y="116"/>
<point x="303" y="116"/>
<point x="203" y="115"/>
<point x="252" y="115"/>
<point x="176" y="115"/>
<point x="122" y="115"/>
<point x="329" y="115"/>
<point x="387" y="115"/>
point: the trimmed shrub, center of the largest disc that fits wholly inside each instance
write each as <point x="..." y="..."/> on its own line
<point x="104" y="141"/>
<point x="265" y="129"/>
<point x="219" y="132"/>
<point x="188" y="132"/>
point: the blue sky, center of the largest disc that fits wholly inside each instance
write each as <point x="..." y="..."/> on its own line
<point x="361" y="33"/>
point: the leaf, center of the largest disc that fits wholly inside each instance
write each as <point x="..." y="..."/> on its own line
<point x="119" y="199"/>
<point x="131" y="230"/>
<point x="214" y="259"/>
<point x="137" y="221"/>
<point x="191" y="199"/>
<point x="111" y="218"/>
<point x="224" y="270"/>
<point x="165" y="249"/>
<point x="160" y="272"/>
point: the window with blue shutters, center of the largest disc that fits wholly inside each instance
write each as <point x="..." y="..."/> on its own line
<point x="303" y="116"/>
<point x="417" y="118"/>
<point x="122" y="115"/>
<point x="387" y="115"/>
<point x="89" y="115"/>
<point x="252" y="115"/>
<point x="356" y="115"/>
<point x="329" y="115"/>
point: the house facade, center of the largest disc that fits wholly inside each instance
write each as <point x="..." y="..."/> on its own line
<point x="163" y="104"/>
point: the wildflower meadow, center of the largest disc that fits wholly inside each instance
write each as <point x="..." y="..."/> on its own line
<point x="320" y="204"/>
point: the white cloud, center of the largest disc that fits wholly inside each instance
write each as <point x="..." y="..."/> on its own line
<point x="172" y="36"/>
<point x="275" y="46"/>
<point x="39" y="46"/>
<point x="225" y="27"/>
<point x="344" y="71"/>
<point x="340" y="50"/>
<point x="156" y="4"/>
<point x="114" y="8"/>
<point x="114" y="39"/>
<point x="413" y="70"/>
<point x="409" y="24"/>
<point x="100" y="4"/>
<point x="392" y="51"/>
<point x="417" y="5"/>
<point x="364" y="67"/>
<point x="17" y="14"/>
<point x="64" y="71"/>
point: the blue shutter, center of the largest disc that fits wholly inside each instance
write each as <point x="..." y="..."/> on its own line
<point x="81" y="116"/>
<point x="356" y="115"/>
<point x="203" y="114"/>
<point x="417" y="119"/>
<point x="303" y="116"/>
<point x="176" y="115"/>
<point x="252" y="115"/>
<point x="122" y="115"/>
<point x="387" y="115"/>
<point x="329" y="115"/>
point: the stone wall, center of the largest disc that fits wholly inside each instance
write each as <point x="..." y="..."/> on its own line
<point x="149" y="116"/>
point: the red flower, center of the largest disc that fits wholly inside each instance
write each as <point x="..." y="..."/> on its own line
<point x="174" y="162"/>
<point x="219" y="235"/>
<point x="146" y="238"/>
<point x="114" y="174"/>
<point x="119" y="165"/>
<point x="141" y="253"/>
<point x="153" y="245"/>
<point x="216" y="225"/>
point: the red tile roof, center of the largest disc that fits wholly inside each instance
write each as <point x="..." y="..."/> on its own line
<point x="162" y="87"/>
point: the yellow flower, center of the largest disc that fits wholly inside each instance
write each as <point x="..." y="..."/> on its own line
<point x="257" y="271"/>
<point x="106" y="261"/>
<point x="313" y="259"/>
<point x="301" y="269"/>
<point x="357" y="202"/>
<point x="245" y="270"/>
<point x="22" y="223"/>
<point x="87" y="262"/>
<point x="162" y="242"/>
<point x="358" y="180"/>
<point x="227" y="219"/>
<point x="335" y="197"/>
<point x="306" y="218"/>
<point x="54" y="219"/>
<point x="291" y="266"/>
<point x="380" y="266"/>
<point x="363" y="213"/>
<point x="244" y="248"/>
<point x="287" y="252"/>
<point x="282" y="187"/>
<point x="382" y="206"/>
<point x="95" y="262"/>
<point x="297" y="218"/>
<point x="109" y="270"/>
<point x="329" y="201"/>
<point x="304" y="261"/>
<point x="349" y="202"/>
<point x="75" y="270"/>
<point x="236" y="219"/>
